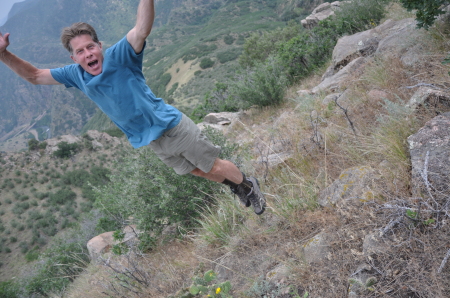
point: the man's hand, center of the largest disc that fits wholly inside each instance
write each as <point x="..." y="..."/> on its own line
<point x="4" y="42"/>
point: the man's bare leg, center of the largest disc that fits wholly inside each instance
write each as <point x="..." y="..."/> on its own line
<point x="221" y="170"/>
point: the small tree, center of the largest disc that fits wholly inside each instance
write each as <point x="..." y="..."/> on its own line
<point x="206" y="63"/>
<point x="33" y="144"/>
<point x="426" y="10"/>
<point x="66" y="150"/>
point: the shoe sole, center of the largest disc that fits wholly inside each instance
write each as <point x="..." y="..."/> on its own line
<point x="263" y="207"/>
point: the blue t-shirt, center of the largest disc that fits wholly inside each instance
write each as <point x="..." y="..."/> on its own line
<point x="121" y="92"/>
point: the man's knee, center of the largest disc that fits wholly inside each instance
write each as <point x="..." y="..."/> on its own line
<point x="217" y="167"/>
<point x="198" y="172"/>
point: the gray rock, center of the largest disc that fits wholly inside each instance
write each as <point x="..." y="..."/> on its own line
<point x="354" y="186"/>
<point x="374" y="244"/>
<point x="317" y="249"/>
<point x="334" y="83"/>
<point x="429" y="149"/>
<point x="220" y="121"/>
<point x="429" y="97"/>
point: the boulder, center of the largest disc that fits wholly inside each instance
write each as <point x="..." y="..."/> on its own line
<point x="427" y="96"/>
<point x="102" y="243"/>
<point x="317" y="248"/>
<point x="372" y="41"/>
<point x="353" y="46"/>
<point x="430" y="159"/>
<point x="321" y="12"/>
<point x="335" y="82"/>
<point x="352" y="188"/>
<point x="219" y="121"/>
<point x="102" y="137"/>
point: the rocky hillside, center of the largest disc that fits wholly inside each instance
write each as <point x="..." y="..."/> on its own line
<point x="354" y="169"/>
<point x="353" y="166"/>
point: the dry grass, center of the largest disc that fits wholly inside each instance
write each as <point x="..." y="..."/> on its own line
<point x="322" y="144"/>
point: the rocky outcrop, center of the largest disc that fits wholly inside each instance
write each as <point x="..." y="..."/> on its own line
<point x="321" y="13"/>
<point x="220" y="121"/>
<point x="392" y="38"/>
<point x="52" y="144"/>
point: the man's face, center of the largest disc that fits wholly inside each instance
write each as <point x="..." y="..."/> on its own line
<point x="87" y="53"/>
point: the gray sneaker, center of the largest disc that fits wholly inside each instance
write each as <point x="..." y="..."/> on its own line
<point x="256" y="197"/>
<point x="240" y="192"/>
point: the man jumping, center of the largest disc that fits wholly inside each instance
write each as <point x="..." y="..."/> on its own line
<point x="115" y="82"/>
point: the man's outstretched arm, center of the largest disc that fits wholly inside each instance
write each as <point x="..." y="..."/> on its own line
<point x="144" y="23"/>
<point x="23" y="68"/>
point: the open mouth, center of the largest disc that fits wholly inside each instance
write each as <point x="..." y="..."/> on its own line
<point x="93" y="63"/>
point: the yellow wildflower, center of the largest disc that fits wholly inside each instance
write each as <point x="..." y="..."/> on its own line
<point x="217" y="290"/>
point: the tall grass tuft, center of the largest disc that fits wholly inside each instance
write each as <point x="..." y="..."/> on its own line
<point x="221" y="221"/>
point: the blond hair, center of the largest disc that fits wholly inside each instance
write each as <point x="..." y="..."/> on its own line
<point x="75" y="30"/>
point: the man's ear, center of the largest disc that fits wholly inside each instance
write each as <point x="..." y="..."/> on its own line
<point x="73" y="58"/>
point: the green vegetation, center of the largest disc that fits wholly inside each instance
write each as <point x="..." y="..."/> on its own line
<point x="206" y="63"/>
<point x="145" y="188"/>
<point x="274" y="60"/>
<point x="426" y="11"/>
<point x="66" y="150"/>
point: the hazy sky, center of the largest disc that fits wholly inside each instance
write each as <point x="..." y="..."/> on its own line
<point x="5" y="7"/>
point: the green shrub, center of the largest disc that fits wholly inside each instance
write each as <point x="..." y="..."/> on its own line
<point x="32" y="255"/>
<point x="145" y="188"/>
<point x="66" y="150"/>
<point x="258" y="47"/>
<point x="61" y="264"/>
<point x="42" y="145"/>
<point x="227" y="56"/>
<point x="228" y="39"/>
<point x="8" y="289"/>
<point x="262" y="86"/>
<point x="33" y="144"/>
<point x="61" y="197"/>
<point x="426" y="11"/>
<point x="206" y="63"/>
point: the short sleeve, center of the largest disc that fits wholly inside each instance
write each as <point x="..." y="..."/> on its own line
<point x="67" y="75"/>
<point x="123" y="53"/>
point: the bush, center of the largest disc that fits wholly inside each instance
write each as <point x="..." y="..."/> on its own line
<point x="145" y="188"/>
<point x="9" y="289"/>
<point x="33" y="144"/>
<point x="426" y="11"/>
<point x="258" y="47"/>
<point x="62" y="263"/>
<point x="265" y="85"/>
<point x="228" y="39"/>
<point x="61" y="197"/>
<point x="66" y="150"/>
<point x="227" y="56"/>
<point x="206" y="63"/>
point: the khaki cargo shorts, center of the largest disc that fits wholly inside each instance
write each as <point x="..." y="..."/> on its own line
<point x="185" y="148"/>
